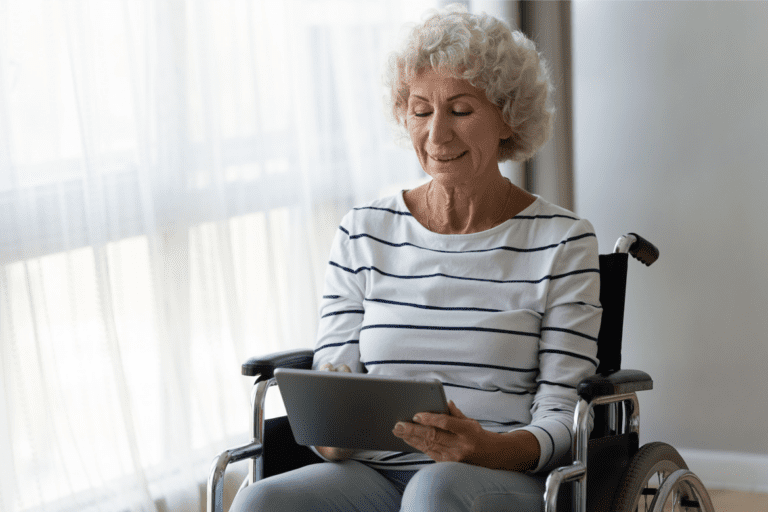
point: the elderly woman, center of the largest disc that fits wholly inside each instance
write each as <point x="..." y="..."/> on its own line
<point x="467" y="279"/>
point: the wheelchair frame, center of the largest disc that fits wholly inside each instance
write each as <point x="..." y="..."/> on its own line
<point x="616" y="389"/>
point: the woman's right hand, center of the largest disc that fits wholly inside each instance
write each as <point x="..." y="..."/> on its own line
<point x="330" y="452"/>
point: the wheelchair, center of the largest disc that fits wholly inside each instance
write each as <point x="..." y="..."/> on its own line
<point x="621" y="476"/>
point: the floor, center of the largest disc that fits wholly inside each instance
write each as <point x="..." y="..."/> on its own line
<point x="736" y="501"/>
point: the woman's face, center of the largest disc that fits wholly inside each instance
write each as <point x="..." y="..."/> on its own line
<point x="455" y="130"/>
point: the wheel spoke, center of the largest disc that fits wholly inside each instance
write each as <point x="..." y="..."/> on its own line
<point x="683" y="490"/>
<point x="648" y="472"/>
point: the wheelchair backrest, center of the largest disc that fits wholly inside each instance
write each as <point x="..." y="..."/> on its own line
<point x="613" y="286"/>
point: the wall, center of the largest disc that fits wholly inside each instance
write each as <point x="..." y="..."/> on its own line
<point x="670" y="120"/>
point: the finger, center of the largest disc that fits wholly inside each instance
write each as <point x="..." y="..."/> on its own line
<point x="328" y="367"/>
<point x="424" y="438"/>
<point x="452" y="424"/>
<point x="455" y="410"/>
<point x="417" y="441"/>
<point x="406" y="432"/>
<point x="433" y="420"/>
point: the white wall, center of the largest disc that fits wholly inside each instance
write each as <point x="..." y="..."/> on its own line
<point x="671" y="141"/>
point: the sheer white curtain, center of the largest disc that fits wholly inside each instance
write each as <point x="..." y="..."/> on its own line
<point x="171" y="175"/>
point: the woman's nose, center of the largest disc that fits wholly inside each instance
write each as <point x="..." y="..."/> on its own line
<point x="440" y="129"/>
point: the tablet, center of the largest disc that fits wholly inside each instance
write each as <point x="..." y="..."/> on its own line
<point x="354" y="410"/>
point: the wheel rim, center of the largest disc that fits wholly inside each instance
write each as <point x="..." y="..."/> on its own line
<point x="682" y="491"/>
<point x="680" y="499"/>
<point x="656" y="477"/>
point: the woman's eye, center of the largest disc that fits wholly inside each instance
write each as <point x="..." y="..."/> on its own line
<point x="454" y="112"/>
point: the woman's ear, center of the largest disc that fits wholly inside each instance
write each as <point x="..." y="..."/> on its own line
<point x="506" y="130"/>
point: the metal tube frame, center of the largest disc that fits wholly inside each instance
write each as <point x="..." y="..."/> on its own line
<point x="577" y="472"/>
<point x="259" y="396"/>
<point x="253" y="451"/>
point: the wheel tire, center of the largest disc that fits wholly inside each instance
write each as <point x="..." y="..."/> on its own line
<point x="647" y="470"/>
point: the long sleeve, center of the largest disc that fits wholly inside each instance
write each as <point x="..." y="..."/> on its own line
<point x="341" y="311"/>
<point x="568" y="345"/>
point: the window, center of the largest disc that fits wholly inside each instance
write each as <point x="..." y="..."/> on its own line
<point x="171" y="175"/>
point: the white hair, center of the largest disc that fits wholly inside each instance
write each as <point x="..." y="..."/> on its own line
<point x="487" y="53"/>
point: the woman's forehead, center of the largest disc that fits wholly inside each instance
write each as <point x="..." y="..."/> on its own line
<point x="431" y="84"/>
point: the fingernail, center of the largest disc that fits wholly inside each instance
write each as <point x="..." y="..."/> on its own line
<point x="417" y="419"/>
<point x="399" y="428"/>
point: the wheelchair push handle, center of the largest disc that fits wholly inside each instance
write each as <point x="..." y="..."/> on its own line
<point x="640" y="248"/>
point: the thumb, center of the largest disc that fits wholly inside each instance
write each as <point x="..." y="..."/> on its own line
<point x="455" y="410"/>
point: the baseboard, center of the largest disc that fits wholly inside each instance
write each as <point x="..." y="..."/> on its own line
<point x="728" y="470"/>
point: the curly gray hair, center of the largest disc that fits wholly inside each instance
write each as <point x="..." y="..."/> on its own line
<point x="487" y="53"/>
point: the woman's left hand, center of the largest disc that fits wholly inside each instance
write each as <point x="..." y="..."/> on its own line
<point x="446" y="437"/>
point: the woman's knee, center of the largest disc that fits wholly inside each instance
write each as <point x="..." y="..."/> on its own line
<point x="348" y="485"/>
<point x="290" y="491"/>
<point x="435" y="487"/>
<point x="438" y="476"/>
<point x="267" y="494"/>
<point x="456" y="486"/>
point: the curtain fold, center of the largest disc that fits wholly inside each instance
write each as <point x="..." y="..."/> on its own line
<point x="171" y="176"/>
<point x="550" y="172"/>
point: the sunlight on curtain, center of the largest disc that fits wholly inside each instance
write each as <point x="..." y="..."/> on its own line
<point x="171" y="177"/>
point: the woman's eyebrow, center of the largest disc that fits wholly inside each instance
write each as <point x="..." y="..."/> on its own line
<point x="449" y="99"/>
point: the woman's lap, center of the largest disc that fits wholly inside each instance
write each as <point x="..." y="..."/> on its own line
<point x="353" y="486"/>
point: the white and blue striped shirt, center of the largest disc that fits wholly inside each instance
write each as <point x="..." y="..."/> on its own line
<point x="507" y="319"/>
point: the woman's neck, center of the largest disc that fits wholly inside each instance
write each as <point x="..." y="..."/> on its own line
<point x="466" y="208"/>
<point x="461" y="208"/>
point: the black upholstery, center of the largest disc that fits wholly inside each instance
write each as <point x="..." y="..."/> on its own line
<point x="610" y="379"/>
<point x="614" y="383"/>
<point x="281" y="453"/>
<point x="264" y="366"/>
<point x="613" y="286"/>
<point x="607" y="460"/>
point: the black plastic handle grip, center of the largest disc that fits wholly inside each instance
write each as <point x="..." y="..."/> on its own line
<point x="643" y="250"/>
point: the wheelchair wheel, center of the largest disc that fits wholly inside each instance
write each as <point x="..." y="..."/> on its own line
<point x="650" y="466"/>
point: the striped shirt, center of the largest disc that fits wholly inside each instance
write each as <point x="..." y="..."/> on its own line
<point x="507" y="319"/>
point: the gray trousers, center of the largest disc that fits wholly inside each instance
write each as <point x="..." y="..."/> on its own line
<point x="352" y="486"/>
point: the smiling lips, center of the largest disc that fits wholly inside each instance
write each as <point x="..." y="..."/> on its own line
<point x="448" y="158"/>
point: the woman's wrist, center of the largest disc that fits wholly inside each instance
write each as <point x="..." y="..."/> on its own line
<point x="514" y="451"/>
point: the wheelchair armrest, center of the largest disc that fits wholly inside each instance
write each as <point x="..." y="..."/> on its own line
<point x="264" y="366"/>
<point x="614" y="383"/>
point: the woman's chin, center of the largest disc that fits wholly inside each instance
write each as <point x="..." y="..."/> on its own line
<point x="451" y="177"/>
<point x="455" y="169"/>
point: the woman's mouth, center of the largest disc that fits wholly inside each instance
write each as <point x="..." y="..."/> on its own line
<point x="447" y="158"/>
